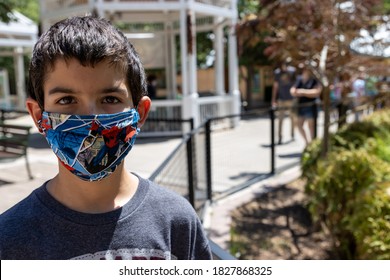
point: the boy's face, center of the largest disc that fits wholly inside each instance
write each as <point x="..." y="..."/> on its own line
<point x="71" y="88"/>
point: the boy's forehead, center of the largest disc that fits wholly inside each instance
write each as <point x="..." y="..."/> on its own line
<point x="73" y="73"/>
<point x="62" y="62"/>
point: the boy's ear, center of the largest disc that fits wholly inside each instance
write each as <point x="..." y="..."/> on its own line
<point x="143" y="109"/>
<point x="35" y="111"/>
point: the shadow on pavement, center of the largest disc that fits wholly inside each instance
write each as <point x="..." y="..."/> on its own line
<point x="2" y="183"/>
<point x="292" y="155"/>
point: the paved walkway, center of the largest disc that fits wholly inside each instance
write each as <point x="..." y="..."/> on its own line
<point x="217" y="216"/>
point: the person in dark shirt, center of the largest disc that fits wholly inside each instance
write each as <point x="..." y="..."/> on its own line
<point x="307" y="89"/>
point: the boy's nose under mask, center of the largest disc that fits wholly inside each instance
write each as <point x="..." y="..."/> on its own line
<point x="90" y="146"/>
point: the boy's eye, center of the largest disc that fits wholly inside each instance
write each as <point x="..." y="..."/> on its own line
<point x="66" y="100"/>
<point x="111" y="100"/>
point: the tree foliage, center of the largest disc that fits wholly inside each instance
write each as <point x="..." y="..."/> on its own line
<point x="316" y="33"/>
<point x="30" y="8"/>
<point x="301" y="29"/>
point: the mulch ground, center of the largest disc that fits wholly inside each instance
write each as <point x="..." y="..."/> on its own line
<point x="277" y="225"/>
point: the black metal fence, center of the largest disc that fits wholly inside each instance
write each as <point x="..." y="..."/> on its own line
<point x="184" y="170"/>
<point x="211" y="162"/>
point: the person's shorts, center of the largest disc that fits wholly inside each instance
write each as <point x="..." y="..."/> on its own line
<point x="307" y="112"/>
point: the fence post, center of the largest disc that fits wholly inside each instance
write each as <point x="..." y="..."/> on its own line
<point x="192" y="123"/>
<point x="208" y="159"/>
<point x="272" y="116"/>
<point x="315" y="115"/>
<point x="191" y="191"/>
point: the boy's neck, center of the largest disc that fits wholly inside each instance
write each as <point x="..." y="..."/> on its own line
<point x="93" y="197"/>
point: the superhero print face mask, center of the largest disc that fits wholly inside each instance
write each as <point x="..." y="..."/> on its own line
<point x="90" y="146"/>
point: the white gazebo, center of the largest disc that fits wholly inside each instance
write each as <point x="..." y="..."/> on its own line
<point x="152" y="26"/>
<point x="16" y="39"/>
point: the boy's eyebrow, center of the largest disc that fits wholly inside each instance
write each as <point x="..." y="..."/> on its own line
<point x="116" y="90"/>
<point x="105" y="90"/>
<point x="60" y="90"/>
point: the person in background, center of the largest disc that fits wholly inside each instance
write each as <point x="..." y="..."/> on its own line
<point x="282" y="98"/>
<point x="152" y="86"/>
<point x="306" y="89"/>
<point x="358" y="94"/>
<point x="343" y="103"/>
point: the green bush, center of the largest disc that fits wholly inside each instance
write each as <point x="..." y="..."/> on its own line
<point x="371" y="223"/>
<point x="349" y="191"/>
<point x="351" y="136"/>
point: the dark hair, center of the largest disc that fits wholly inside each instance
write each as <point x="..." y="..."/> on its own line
<point x="90" y="40"/>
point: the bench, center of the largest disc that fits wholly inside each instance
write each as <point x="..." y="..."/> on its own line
<point x="14" y="143"/>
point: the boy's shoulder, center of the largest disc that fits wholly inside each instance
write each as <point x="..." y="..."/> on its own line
<point x="160" y="197"/>
<point x="20" y="210"/>
<point x="20" y="217"/>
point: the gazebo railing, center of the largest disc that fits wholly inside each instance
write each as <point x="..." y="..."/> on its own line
<point x="209" y="107"/>
<point x="215" y="106"/>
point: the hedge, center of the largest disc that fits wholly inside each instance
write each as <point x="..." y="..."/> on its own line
<point x="349" y="190"/>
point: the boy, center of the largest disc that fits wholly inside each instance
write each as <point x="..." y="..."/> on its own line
<point x="88" y="98"/>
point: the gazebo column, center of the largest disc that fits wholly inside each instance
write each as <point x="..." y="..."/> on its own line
<point x="188" y="69"/>
<point x="6" y="94"/>
<point x="173" y="65"/>
<point x="45" y="24"/>
<point x="170" y="66"/>
<point x="193" y="79"/>
<point x="20" y="80"/>
<point x="219" y="57"/>
<point x="97" y="7"/>
<point x="233" y="68"/>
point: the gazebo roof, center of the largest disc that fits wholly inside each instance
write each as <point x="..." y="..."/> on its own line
<point x="19" y="32"/>
<point x="138" y="11"/>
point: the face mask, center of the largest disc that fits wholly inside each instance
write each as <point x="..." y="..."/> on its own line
<point x="90" y="146"/>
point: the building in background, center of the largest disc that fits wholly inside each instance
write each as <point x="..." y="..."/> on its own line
<point x="17" y="38"/>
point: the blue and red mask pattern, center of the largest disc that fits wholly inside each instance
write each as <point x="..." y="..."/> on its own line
<point x="90" y="146"/>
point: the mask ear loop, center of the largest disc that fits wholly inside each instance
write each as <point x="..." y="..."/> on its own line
<point x="136" y="109"/>
<point x="41" y="129"/>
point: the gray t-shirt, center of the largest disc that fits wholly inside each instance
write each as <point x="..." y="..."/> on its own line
<point x="155" y="224"/>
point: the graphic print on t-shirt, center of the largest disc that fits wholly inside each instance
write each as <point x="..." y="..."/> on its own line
<point x="128" y="254"/>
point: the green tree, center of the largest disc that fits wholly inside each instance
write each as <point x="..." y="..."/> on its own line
<point x="251" y="43"/>
<point x="29" y="8"/>
<point x="386" y="6"/>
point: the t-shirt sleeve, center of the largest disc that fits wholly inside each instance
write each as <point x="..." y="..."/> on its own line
<point x="202" y="247"/>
